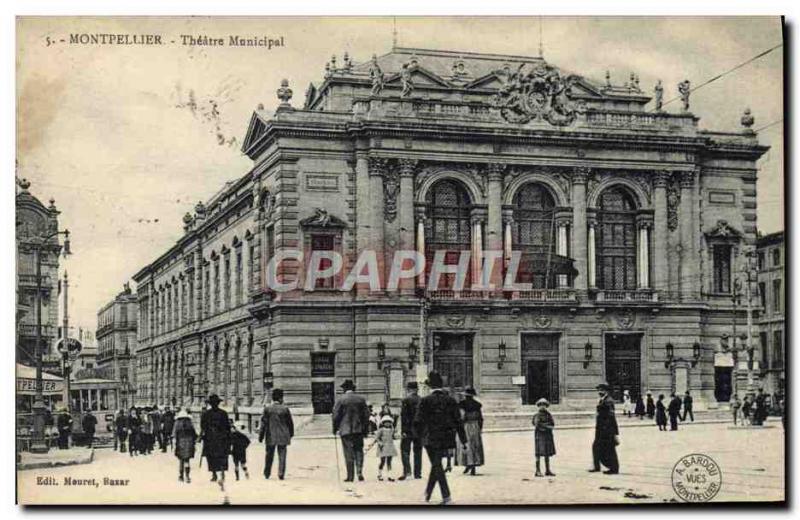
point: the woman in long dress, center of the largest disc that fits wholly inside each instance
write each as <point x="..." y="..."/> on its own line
<point x="215" y="428"/>
<point x="472" y="456"/>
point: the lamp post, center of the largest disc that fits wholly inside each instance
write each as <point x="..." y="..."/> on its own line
<point x="38" y="444"/>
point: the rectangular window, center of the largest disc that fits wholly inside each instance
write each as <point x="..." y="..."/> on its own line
<point x="776" y="257"/>
<point x="762" y="337"/>
<point x="207" y="299"/>
<point x="761" y="260"/>
<point x="238" y="278"/>
<point x="776" y="296"/>
<point x="251" y="265"/>
<point x="323" y="243"/>
<point x="227" y="296"/>
<point x="722" y="269"/>
<point x="323" y="364"/>
<point x="216" y="286"/>
<point x="762" y="295"/>
<point x="777" y="349"/>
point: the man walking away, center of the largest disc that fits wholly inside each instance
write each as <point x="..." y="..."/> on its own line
<point x="215" y="430"/>
<point x="89" y="424"/>
<point x="437" y="422"/>
<point x="351" y="421"/>
<point x="64" y="425"/>
<point x="735" y="405"/>
<point x="674" y="411"/>
<point x="410" y="439"/>
<point x="277" y="430"/>
<point x="606" y="434"/>
<point x="167" y="425"/>
<point x="120" y="430"/>
<point x="155" y="418"/>
<point x="687" y="407"/>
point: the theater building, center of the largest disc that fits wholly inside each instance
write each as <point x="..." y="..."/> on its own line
<point x="630" y="221"/>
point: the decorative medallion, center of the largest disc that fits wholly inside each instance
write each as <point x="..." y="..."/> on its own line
<point x="455" y="321"/>
<point x="391" y="185"/>
<point x="541" y="94"/>
<point x="542" y="322"/>
<point x="627" y="320"/>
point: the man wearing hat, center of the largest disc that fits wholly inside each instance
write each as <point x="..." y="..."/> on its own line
<point x="351" y="421"/>
<point x="215" y="431"/>
<point x="410" y="439"/>
<point x="277" y="430"/>
<point x="606" y="434"/>
<point x="437" y="421"/>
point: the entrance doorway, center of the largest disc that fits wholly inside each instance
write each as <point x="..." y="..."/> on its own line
<point x="540" y="367"/>
<point x="322" y="397"/>
<point x="722" y="384"/>
<point x="623" y="364"/>
<point x="452" y="358"/>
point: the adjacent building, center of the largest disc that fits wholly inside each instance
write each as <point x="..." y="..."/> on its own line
<point x="116" y="339"/>
<point x="630" y="221"/>
<point x="771" y="290"/>
<point x="37" y="244"/>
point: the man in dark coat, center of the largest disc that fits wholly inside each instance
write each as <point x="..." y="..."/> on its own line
<point x="120" y="430"/>
<point x="351" y="421"/>
<point x="215" y="430"/>
<point x="167" y="425"/>
<point x="410" y="439"/>
<point x="606" y="434"/>
<point x="89" y="424"/>
<point x="64" y="425"/>
<point x="277" y="430"/>
<point x="687" y="407"/>
<point x="155" y="419"/>
<point x="674" y="411"/>
<point x="760" y="414"/>
<point x="437" y="422"/>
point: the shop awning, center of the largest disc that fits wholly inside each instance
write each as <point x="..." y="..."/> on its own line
<point x="26" y="382"/>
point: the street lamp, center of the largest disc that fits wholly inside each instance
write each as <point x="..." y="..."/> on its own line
<point x="587" y="354"/>
<point x="381" y="353"/>
<point x="501" y="353"/>
<point x="38" y="444"/>
<point x="670" y="355"/>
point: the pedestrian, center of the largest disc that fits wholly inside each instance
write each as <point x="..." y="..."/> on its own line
<point x="146" y="431"/>
<point x="736" y="405"/>
<point x="387" y="410"/>
<point x="437" y="422"/>
<point x="373" y="420"/>
<point x="167" y="425"/>
<point x="134" y="432"/>
<point x="661" y="413"/>
<point x="64" y="425"/>
<point x="639" y="409"/>
<point x="760" y="414"/>
<point x="120" y="430"/>
<point x="626" y="403"/>
<point x="351" y="422"/>
<point x="155" y="420"/>
<point x="472" y="456"/>
<point x="650" y="406"/>
<point x="277" y="430"/>
<point x="674" y="411"/>
<point x="215" y="430"/>
<point x="747" y="406"/>
<point x="606" y="434"/>
<point x="89" y="423"/>
<point x="544" y="444"/>
<point x="410" y="440"/>
<point x="239" y="444"/>
<point x="185" y="440"/>
<point x="687" y="407"/>
<point x="384" y="438"/>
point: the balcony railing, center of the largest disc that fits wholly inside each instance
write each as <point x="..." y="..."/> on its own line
<point x="626" y="296"/>
<point x="30" y="330"/>
<point x="29" y="280"/>
<point x="448" y="294"/>
<point x="547" y="295"/>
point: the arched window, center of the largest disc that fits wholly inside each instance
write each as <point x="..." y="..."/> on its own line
<point x="616" y="240"/>
<point x="447" y="227"/>
<point x="533" y="233"/>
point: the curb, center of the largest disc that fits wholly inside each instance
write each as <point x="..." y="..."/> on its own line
<point x="40" y="464"/>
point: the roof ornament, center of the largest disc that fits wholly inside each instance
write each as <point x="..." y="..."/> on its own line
<point x="684" y="89"/>
<point x="459" y="69"/>
<point x="405" y="79"/>
<point x="200" y="209"/>
<point x="24" y="184"/>
<point x="376" y="75"/>
<point x="539" y="94"/>
<point x="328" y="69"/>
<point x="260" y="106"/>
<point x="659" y="90"/>
<point x="333" y="62"/>
<point x="348" y="64"/>
<point x="747" y="121"/>
<point x="284" y="93"/>
<point x="608" y="78"/>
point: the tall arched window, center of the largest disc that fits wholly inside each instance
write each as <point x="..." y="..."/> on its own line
<point x="533" y="233"/>
<point x="447" y="227"/>
<point x="616" y="240"/>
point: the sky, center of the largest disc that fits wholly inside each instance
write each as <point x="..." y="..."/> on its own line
<point x="110" y="133"/>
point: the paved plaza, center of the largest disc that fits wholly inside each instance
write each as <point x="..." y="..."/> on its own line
<point x="751" y="461"/>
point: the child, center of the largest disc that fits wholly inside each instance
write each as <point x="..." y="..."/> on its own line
<point x="661" y="413"/>
<point x="639" y="410"/>
<point x="239" y="444"/>
<point x="384" y="437"/>
<point x="626" y="403"/>
<point x="185" y="440"/>
<point x="543" y="425"/>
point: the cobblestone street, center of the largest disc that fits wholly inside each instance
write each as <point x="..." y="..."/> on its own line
<point x="751" y="461"/>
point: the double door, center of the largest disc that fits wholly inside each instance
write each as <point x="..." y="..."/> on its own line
<point x="624" y="364"/>
<point x="452" y="358"/>
<point x="540" y="367"/>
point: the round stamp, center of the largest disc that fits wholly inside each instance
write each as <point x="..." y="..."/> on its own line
<point x="696" y="478"/>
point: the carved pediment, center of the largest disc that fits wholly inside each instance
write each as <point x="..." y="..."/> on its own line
<point x="420" y="76"/>
<point x="255" y="130"/>
<point x="321" y="219"/>
<point x="723" y="231"/>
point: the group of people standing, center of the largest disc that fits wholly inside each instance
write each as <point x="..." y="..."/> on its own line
<point x="658" y="409"/>
<point x="432" y="422"/>
<point x="752" y="410"/>
<point x="141" y="428"/>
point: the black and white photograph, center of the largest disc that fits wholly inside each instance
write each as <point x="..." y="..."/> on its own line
<point x="400" y="260"/>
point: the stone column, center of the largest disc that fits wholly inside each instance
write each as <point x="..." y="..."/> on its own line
<point x="377" y="169"/>
<point x="198" y="285"/>
<point x="591" y="265"/>
<point x="580" y="176"/>
<point x="363" y="204"/>
<point x="689" y="261"/>
<point x="494" y="222"/>
<point x="660" y="234"/>
<point x="406" y="215"/>
<point x="420" y="217"/>
<point x="508" y="246"/>
<point x="562" y="224"/>
<point x="643" y="255"/>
